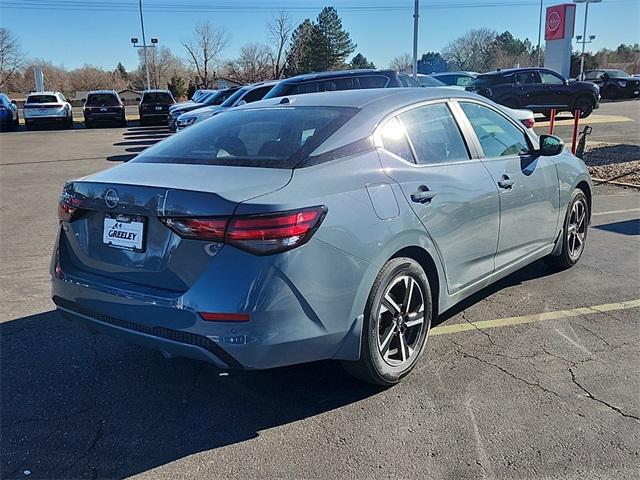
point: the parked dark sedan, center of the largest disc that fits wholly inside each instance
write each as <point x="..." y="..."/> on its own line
<point x="614" y="83"/>
<point x="537" y="89"/>
<point x="103" y="106"/>
<point x="154" y="106"/>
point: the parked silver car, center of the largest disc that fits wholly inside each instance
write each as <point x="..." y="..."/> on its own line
<point x="335" y="225"/>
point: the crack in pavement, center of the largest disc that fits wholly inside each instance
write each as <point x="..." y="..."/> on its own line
<point x="599" y="400"/>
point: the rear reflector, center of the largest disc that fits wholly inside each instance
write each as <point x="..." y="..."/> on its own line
<point x="259" y="234"/>
<point x="224" y="317"/>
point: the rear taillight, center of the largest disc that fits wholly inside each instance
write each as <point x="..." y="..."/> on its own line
<point x="529" y="122"/>
<point x="259" y="234"/>
<point x="67" y="208"/>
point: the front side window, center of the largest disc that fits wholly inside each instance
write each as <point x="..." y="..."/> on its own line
<point x="497" y="135"/>
<point x="273" y="137"/>
<point x="594" y="75"/>
<point x="551" y="79"/>
<point x="463" y="81"/>
<point x="434" y="134"/>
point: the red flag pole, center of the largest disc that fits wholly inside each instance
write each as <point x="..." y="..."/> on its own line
<point x="552" y="120"/>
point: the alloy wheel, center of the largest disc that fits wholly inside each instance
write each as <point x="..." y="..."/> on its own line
<point x="401" y="323"/>
<point x="577" y="229"/>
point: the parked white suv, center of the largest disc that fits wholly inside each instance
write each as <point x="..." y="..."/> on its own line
<point x="47" y="107"/>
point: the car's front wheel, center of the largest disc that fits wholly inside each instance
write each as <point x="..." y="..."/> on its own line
<point x="574" y="232"/>
<point x="586" y="106"/>
<point x="396" y="323"/>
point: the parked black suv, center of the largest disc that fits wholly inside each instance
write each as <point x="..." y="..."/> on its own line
<point x="154" y="106"/>
<point x="614" y="83"/>
<point x="341" y="80"/>
<point x="537" y="89"/>
<point x="103" y="106"/>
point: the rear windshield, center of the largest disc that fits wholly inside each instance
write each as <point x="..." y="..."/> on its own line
<point x="157" y="97"/>
<point x="617" y="74"/>
<point x="99" y="99"/>
<point x="42" y="99"/>
<point x="274" y="137"/>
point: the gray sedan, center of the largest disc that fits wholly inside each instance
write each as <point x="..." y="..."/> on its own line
<point x="322" y="226"/>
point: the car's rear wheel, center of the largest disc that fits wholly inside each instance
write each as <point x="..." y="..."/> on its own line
<point x="574" y="232"/>
<point x="585" y="105"/>
<point x="396" y="323"/>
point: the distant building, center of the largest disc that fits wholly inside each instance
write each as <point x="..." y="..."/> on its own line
<point x="129" y="96"/>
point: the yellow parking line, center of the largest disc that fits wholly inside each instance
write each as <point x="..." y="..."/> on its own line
<point x="538" y="317"/>
<point x="617" y="211"/>
<point x="593" y="119"/>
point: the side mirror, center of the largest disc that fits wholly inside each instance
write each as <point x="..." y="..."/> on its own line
<point x="241" y="102"/>
<point x="605" y="76"/>
<point x="550" y="146"/>
<point x="14" y="103"/>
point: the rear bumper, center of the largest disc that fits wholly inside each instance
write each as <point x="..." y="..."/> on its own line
<point x="294" y="318"/>
<point x="46" y="119"/>
<point x="104" y="117"/>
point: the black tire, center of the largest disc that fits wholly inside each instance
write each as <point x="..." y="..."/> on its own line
<point x="378" y="327"/>
<point x="611" y="92"/>
<point x="511" y="102"/>
<point x="568" y="256"/>
<point x="123" y="122"/>
<point x="88" y="124"/>
<point x="28" y="125"/>
<point x="585" y="104"/>
<point x="143" y="121"/>
<point x="16" y="122"/>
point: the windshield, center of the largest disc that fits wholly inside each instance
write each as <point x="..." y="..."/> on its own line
<point x="273" y="137"/>
<point x="42" y="99"/>
<point x="104" y="99"/>
<point x="427" y="81"/>
<point x="157" y="97"/>
<point x="235" y="97"/>
<point x="217" y="98"/>
<point x="617" y="74"/>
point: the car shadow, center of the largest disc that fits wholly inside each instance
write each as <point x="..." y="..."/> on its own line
<point x="627" y="227"/>
<point x="76" y="405"/>
<point x="138" y="139"/>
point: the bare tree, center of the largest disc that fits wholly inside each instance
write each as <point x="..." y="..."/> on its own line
<point x="474" y="51"/>
<point x="204" y="51"/>
<point x="162" y="66"/>
<point x="11" y="56"/>
<point x="279" y="30"/>
<point x="252" y="65"/>
<point x="402" y="63"/>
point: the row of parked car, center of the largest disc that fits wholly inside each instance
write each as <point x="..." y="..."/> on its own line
<point x="523" y="90"/>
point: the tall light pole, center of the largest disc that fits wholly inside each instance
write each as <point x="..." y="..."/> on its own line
<point x="540" y="34"/>
<point x="584" y="32"/>
<point x="416" y="15"/>
<point x="144" y="46"/>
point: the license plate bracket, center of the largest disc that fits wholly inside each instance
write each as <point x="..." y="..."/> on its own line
<point x="125" y="232"/>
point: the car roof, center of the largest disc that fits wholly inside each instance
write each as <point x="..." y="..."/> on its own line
<point x="374" y="105"/>
<point x="48" y="92"/>
<point x="336" y="74"/>
<point x="460" y="72"/>
<point x="156" y="90"/>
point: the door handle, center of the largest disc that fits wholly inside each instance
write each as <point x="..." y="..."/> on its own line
<point x="423" y="195"/>
<point x="506" y="182"/>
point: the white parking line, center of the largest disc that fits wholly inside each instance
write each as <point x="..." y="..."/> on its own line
<point x="611" y="212"/>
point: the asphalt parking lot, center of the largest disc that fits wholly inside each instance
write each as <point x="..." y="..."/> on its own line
<point x="534" y="377"/>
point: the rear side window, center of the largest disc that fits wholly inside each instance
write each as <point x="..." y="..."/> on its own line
<point x="42" y="99"/>
<point x="486" y="80"/>
<point x="497" y="135"/>
<point x="157" y="97"/>
<point x="275" y="137"/>
<point x="434" y="134"/>
<point x="526" y="78"/>
<point x="394" y="139"/>
<point x="99" y="99"/>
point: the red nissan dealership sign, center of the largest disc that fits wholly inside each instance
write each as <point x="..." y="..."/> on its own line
<point x="556" y="21"/>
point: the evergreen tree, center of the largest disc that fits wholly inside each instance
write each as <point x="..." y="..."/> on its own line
<point x="177" y="86"/>
<point x="360" y="62"/>
<point x="301" y="57"/>
<point x="333" y="45"/>
<point x="121" y="72"/>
